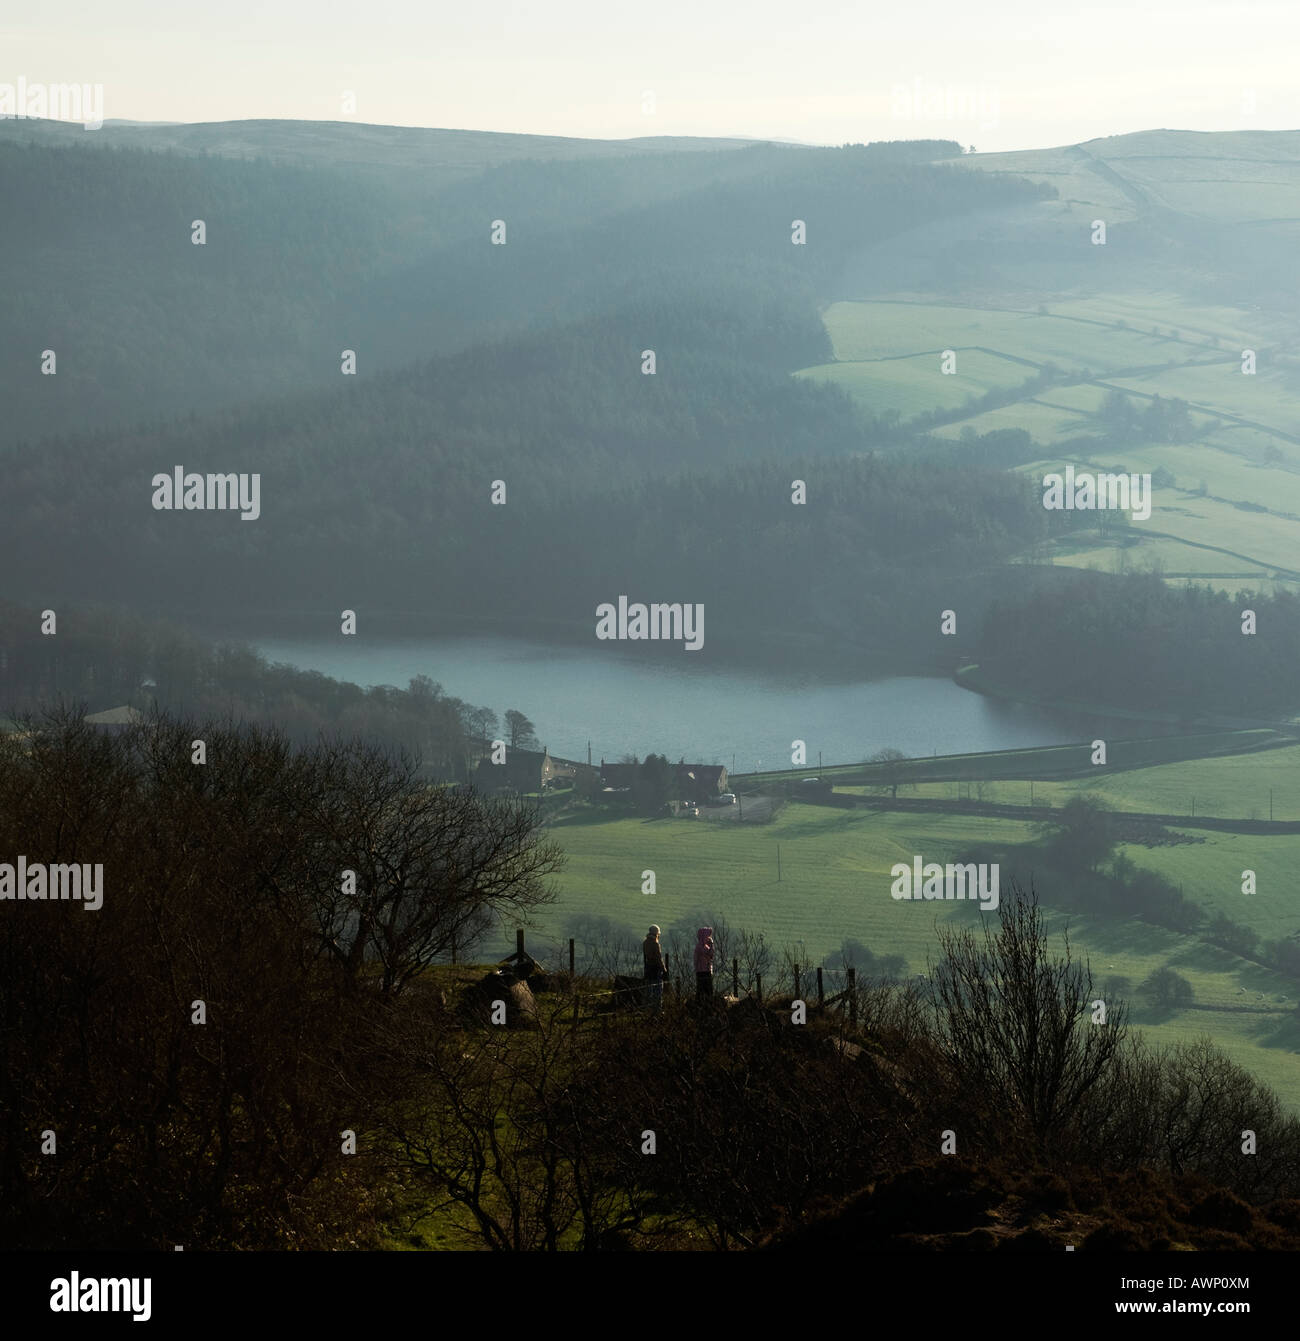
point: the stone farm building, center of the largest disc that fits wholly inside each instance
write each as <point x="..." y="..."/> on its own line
<point x="529" y="771"/>
<point x="697" y="782"/>
<point x="694" y="782"/>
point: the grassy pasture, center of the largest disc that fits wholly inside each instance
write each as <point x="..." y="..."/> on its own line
<point x="874" y="330"/>
<point x="1210" y="872"/>
<point x="1227" y="476"/>
<point x="1255" y="445"/>
<point x="1039" y="762"/>
<point x="1176" y="562"/>
<point x="1076" y="183"/>
<point x="1154" y="344"/>
<point x="1043" y="422"/>
<point x="1215" y="533"/>
<point x="1269" y="397"/>
<point x="835" y="876"/>
<point x="1234" y="786"/>
<point x="1247" y="175"/>
<point x="834" y="882"/>
<point x="1084" y="398"/>
<point x="1258" y="536"/>
<point x="916" y="384"/>
<point x="1197" y="324"/>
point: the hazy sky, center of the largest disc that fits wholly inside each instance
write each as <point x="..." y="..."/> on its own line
<point x="1000" y="75"/>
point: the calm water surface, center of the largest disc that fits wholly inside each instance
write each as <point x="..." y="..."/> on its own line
<point x="679" y="708"/>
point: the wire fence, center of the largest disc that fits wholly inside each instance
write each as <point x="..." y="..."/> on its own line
<point x="754" y="971"/>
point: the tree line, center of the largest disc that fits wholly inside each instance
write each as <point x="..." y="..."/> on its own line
<point x="1134" y="641"/>
<point x="105" y="658"/>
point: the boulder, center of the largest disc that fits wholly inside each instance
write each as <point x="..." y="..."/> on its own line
<point x="521" y="1008"/>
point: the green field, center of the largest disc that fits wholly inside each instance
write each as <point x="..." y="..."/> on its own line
<point x="1040" y="762"/>
<point x="1231" y="787"/>
<point x="1226" y="474"/>
<point x="1160" y="346"/>
<point x="1210" y="872"/>
<point x="915" y="385"/>
<point x="834" y="884"/>
<point x="1062" y="168"/>
<point x="1266" y="399"/>
<point x="1044" y="423"/>
<point x="1202" y="324"/>
<point x="1176" y="562"/>
<point x="1245" y="175"/>
<point x="1232" y="517"/>
<point x="834" y="873"/>
<point x="1081" y="398"/>
<point x="880" y="330"/>
<point x="1212" y="532"/>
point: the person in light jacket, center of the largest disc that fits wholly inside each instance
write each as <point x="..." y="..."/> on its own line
<point x="652" y="957"/>
<point x="703" y="963"/>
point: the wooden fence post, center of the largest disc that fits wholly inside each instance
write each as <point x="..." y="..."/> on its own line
<point x="853" y="995"/>
<point x="519" y="945"/>
<point x="735" y="978"/>
<point x="570" y="958"/>
<point x="796" y="981"/>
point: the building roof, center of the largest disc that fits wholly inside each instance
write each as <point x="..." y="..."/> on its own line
<point x="123" y="716"/>
<point x="522" y="769"/>
<point x="687" y="775"/>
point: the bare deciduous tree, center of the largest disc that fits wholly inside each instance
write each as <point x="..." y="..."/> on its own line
<point x="1015" y="1022"/>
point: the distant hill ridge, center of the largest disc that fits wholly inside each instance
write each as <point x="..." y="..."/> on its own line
<point x="452" y="154"/>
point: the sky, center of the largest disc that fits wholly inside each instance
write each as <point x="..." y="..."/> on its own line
<point x="1001" y="74"/>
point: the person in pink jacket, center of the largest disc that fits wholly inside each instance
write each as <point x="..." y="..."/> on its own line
<point x="703" y="963"/>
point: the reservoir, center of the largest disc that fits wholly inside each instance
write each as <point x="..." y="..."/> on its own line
<point x="684" y="709"/>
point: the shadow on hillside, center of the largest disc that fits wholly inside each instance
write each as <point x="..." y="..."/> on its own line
<point x="579" y="819"/>
<point x="1283" y="1035"/>
<point x="844" y="820"/>
<point x="1209" y="959"/>
<point x="1125" y="935"/>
